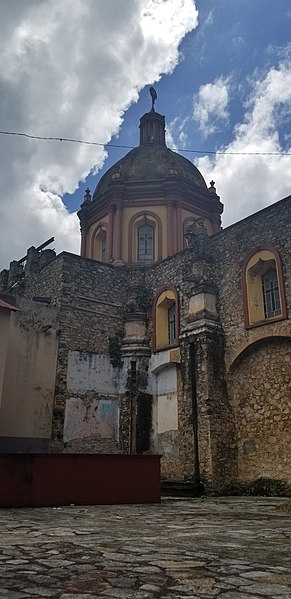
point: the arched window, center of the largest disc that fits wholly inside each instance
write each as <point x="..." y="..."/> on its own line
<point x="145" y="243"/>
<point x="165" y="320"/>
<point x="100" y="245"/>
<point x="145" y="237"/>
<point x="263" y="289"/>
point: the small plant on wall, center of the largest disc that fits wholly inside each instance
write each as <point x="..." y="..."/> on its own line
<point x="114" y="343"/>
<point x="144" y="298"/>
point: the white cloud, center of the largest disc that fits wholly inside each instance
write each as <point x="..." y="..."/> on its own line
<point x="209" y="20"/>
<point x="71" y="69"/>
<point x="176" y="136"/>
<point x="210" y="105"/>
<point x="248" y="183"/>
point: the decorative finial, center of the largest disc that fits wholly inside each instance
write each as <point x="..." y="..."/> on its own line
<point x="154" y="97"/>
<point x="212" y="188"/>
<point x="87" y="198"/>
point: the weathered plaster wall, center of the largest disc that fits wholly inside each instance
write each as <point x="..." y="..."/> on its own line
<point x="94" y="420"/>
<point x="28" y="388"/>
<point x="4" y="336"/>
<point x="92" y="297"/>
<point x="165" y="419"/>
<point x="92" y="372"/>
<point x="92" y="411"/>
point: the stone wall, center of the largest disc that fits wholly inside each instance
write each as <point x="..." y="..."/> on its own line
<point x="257" y="359"/>
<point x="179" y="462"/>
<point x="271" y="226"/>
<point x="203" y="404"/>
<point x="259" y="385"/>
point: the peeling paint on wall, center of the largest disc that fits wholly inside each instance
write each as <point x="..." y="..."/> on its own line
<point x="97" y="418"/>
<point x="92" y="372"/>
<point x="167" y="411"/>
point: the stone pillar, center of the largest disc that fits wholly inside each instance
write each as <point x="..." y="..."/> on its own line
<point x="4" y="280"/>
<point x="84" y="226"/>
<point x="136" y="353"/>
<point x="202" y="340"/>
<point x="180" y="238"/>
<point x="32" y="261"/>
<point x="202" y="343"/>
<point x="170" y="228"/>
<point x="16" y="273"/>
<point x="110" y="235"/>
<point x="117" y="234"/>
<point x="84" y="235"/>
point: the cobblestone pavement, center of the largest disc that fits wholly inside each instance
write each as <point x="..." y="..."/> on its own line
<point x="231" y="548"/>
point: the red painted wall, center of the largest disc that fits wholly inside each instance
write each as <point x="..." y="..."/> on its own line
<point x="35" y="480"/>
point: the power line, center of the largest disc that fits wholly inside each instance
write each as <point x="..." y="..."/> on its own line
<point x="110" y="145"/>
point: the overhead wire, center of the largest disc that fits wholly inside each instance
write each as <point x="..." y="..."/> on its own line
<point x="111" y="145"/>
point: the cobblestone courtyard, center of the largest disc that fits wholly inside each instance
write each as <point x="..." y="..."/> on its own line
<point x="234" y="548"/>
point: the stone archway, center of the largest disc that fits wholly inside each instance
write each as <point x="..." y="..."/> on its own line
<point x="259" y="386"/>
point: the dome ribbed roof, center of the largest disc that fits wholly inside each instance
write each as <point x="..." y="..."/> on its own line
<point x="152" y="160"/>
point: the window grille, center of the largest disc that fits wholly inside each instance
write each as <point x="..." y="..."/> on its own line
<point x="172" y="324"/>
<point x="145" y="243"/>
<point x="271" y="295"/>
<point x="103" y="249"/>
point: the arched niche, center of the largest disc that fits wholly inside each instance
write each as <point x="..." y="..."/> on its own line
<point x="263" y="288"/>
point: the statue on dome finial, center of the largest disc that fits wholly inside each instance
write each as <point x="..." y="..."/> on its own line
<point x="154" y="96"/>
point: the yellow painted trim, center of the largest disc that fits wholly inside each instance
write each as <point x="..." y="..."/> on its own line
<point x="254" y="283"/>
<point x="164" y="302"/>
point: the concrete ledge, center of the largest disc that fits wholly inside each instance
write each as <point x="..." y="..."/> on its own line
<point x="37" y="480"/>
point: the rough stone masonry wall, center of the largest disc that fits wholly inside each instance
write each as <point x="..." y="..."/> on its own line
<point x="47" y="283"/>
<point x="260" y="386"/>
<point x="93" y="296"/>
<point x="257" y="359"/>
<point x="89" y="410"/>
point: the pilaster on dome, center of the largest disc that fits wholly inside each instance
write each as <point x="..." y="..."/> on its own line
<point x="152" y="125"/>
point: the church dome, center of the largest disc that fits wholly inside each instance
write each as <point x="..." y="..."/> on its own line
<point x="152" y="160"/>
<point x="144" y="204"/>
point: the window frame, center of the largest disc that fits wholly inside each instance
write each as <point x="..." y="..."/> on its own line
<point x="172" y="330"/>
<point x="145" y="225"/>
<point x="136" y="221"/>
<point x="281" y="288"/>
<point x="156" y="345"/>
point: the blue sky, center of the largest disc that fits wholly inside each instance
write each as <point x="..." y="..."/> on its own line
<point x="222" y="71"/>
<point x="236" y="41"/>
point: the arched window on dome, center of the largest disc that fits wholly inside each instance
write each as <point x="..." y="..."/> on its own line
<point x="100" y="244"/>
<point x="144" y="237"/>
<point x="263" y="288"/>
<point x="145" y="242"/>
